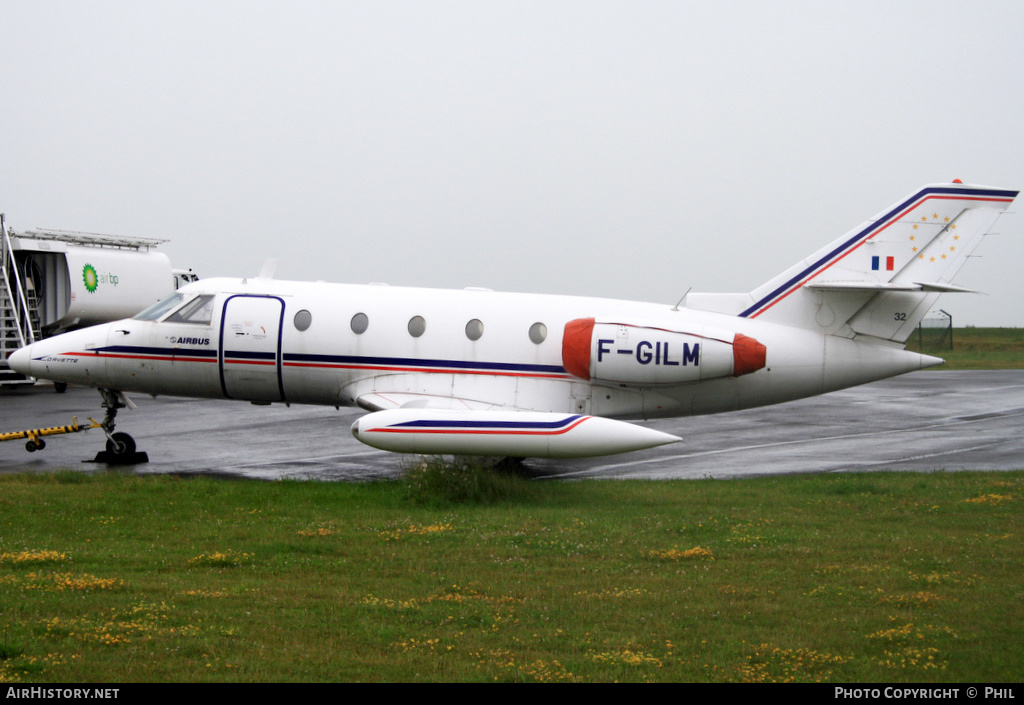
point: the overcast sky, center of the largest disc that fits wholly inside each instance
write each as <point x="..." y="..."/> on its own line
<point x="624" y="149"/>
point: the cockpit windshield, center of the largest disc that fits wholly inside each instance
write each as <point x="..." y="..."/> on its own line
<point x="199" y="311"/>
<point x="196" y="309"/>
<point x="159" y="308"/>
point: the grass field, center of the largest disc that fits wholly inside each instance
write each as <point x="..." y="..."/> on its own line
<point x="467" y="575"/>
<point x="463" y="574"/>
<point x="973" y="348"/>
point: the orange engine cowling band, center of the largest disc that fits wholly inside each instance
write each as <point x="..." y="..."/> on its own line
<point x="748" y="355"/>
<point x="576" y="342"/>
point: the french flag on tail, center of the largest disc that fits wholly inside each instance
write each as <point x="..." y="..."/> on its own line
<point x="876" y="264"/>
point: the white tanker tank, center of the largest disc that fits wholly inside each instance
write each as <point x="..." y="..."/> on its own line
<point x="79" y="280"/>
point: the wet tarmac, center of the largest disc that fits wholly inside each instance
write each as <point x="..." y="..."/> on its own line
<point x="923" y="421"/>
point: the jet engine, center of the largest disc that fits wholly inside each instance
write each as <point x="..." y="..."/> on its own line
<point x="634" y="353"/>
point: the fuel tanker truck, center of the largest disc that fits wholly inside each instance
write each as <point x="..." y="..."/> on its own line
<point x="54" y="281"/>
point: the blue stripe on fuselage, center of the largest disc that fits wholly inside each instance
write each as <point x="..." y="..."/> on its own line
<point x="300" y="359"/>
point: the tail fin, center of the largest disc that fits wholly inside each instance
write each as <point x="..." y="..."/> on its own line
<point x="881" y="278"/>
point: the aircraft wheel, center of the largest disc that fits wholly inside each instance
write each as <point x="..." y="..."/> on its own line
<point x="60" y="387"/>
<point x="121" y="444"/>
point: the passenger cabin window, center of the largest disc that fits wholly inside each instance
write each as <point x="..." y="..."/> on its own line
<point x="475" y="329"/>
<point x="303" y="319"/>
<point x="198" y="311"/>
<point x="360" y="323"/>
<point x="417" y="326"/>
<point x="159" y="308"/>
<point x="538" y="333"/>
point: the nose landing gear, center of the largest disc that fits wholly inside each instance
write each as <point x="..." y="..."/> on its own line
<point x="120" y="448"/>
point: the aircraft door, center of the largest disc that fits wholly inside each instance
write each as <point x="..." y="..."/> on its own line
<point x="250" y="348"/>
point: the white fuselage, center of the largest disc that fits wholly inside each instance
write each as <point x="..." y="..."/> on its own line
<point x="380" y="346"/>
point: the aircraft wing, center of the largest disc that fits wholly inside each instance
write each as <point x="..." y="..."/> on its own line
<point x="380" y="401"/>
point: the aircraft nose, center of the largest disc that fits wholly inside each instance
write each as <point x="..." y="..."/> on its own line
<point x="21" y="360"/>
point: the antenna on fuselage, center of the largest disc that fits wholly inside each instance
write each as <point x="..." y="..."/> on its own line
<point x="269" y="267"/>
<point x="676" y="307"/>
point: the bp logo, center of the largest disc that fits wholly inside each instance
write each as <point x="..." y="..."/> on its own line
<point x="90" y="278"/>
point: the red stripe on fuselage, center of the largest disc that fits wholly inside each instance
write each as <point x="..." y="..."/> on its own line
<point x="437" y="370"/>
<point x="338" y="366"/>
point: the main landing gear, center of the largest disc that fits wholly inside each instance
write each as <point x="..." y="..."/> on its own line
<point x="120" y="448"/>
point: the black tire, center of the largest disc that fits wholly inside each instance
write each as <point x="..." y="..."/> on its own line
<point x="121" y="444"/>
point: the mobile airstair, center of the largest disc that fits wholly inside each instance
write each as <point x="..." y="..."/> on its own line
<point x="19" y="309"/>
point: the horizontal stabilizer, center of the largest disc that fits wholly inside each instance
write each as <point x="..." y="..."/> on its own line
<point x="948" y="288"/>
<point x="889" y="286"/>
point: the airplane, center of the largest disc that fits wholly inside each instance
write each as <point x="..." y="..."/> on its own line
<point x="487" y="373"/>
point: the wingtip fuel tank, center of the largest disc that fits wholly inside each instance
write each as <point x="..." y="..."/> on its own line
<point x="496" y="433"/>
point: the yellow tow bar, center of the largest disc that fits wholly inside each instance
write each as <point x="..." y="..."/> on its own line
<point x="34" y="436"/>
